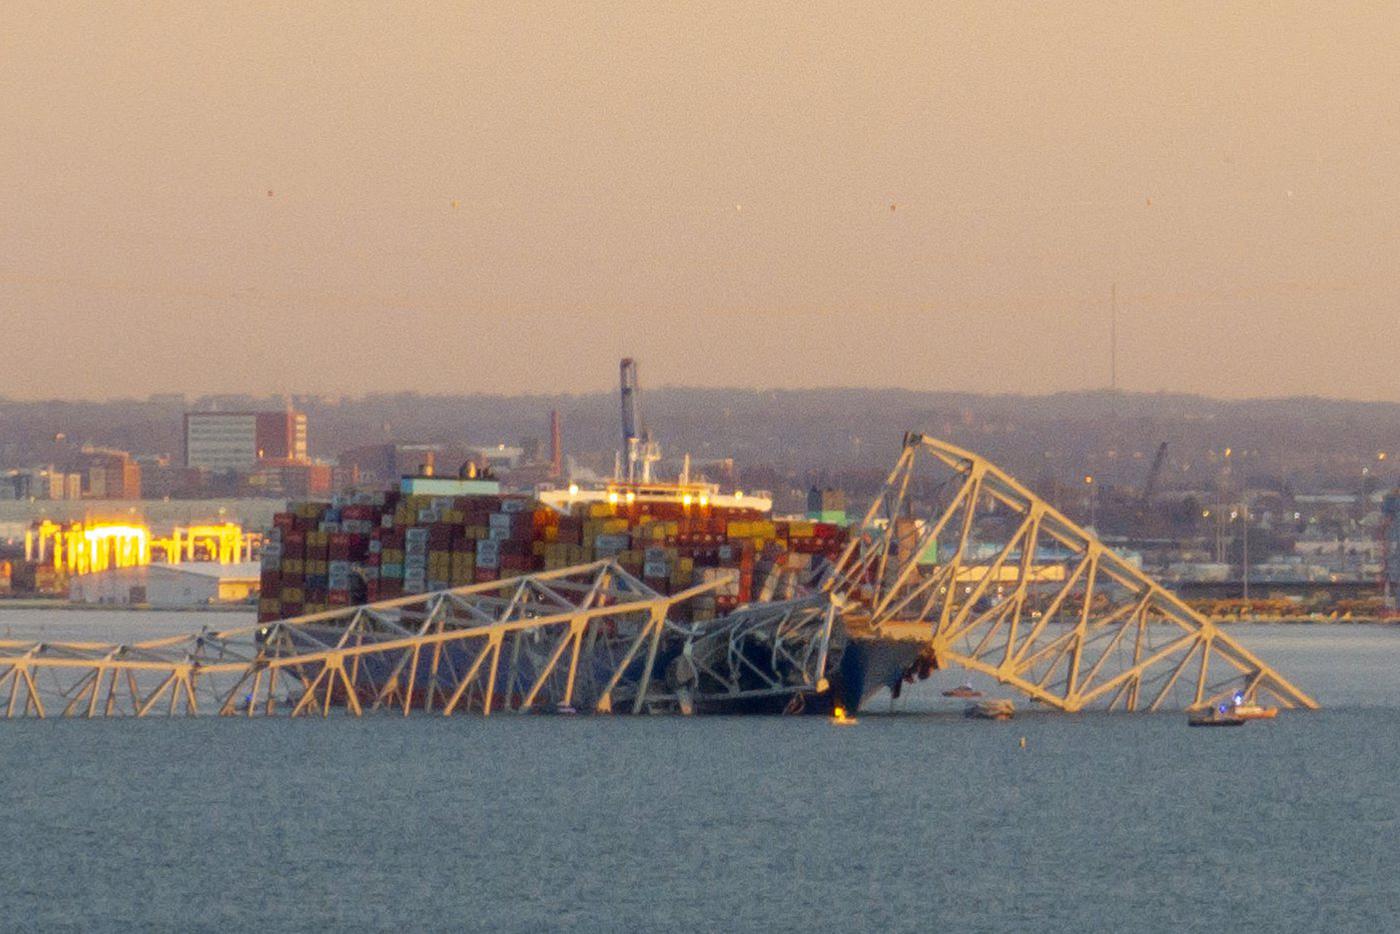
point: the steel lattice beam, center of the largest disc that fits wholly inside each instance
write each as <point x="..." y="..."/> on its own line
<point x="585" y="637"/>
<point x="956" y="552"/>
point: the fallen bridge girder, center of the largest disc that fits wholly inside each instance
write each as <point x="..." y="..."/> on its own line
<point x="957" y="553"/>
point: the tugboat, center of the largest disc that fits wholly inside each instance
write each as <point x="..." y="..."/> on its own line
<point x="1216" y="716"/>
<point x="963" y="690"/>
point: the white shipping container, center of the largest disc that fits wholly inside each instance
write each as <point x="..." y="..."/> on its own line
<point x="488" y="554"/>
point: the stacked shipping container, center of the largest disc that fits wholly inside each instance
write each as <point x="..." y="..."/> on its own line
<point x="375" y="546"/>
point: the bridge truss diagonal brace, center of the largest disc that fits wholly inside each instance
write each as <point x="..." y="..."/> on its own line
<point x="958" y="553"/>
<point x="587" y="636"/>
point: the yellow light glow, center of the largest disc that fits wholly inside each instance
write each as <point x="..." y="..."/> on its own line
<point x="738" y="494"/>
<point x="704" y="500"/>
<point x="612" y="497"/>
<point x="85" y="547"/>
<point x="114" y="531"/>
<point x="631" y="496"/>
<point x="685" y="500"/>
<point x="573" y="489"/>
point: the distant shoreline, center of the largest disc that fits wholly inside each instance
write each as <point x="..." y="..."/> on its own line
<point x="26" y="603"/>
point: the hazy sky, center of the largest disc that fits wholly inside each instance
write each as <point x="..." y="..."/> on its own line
<point x="350" y="197"/>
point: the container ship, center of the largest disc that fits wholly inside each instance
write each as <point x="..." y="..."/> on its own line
<point x="435" y="533"/>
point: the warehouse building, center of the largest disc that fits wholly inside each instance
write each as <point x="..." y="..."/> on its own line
<point x="191" y="584"/>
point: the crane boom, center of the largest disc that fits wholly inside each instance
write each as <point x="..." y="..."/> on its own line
<point x="1150" y="486"/>
<point x="637" y="446"/>
<point x="631" y="416"/>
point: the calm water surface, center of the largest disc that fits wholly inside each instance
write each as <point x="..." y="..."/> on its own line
<point x="915" y="821"/>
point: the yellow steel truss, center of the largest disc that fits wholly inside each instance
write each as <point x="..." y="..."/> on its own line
<point x="956" y="552"/>
<point x="584" y="638"/>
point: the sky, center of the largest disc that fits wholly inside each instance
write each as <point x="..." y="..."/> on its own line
<point x="506" y="197"/>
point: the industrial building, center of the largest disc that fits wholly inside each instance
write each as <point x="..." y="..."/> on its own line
<point x="111" y="474"/>
<point x="191" y="584"/>
<point x="238" y="441"/>
<point x="90" y="473"/>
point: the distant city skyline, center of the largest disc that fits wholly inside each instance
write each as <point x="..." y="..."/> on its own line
<point x="340" y="200"/>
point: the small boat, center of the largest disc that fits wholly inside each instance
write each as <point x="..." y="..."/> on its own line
<point x="1249" y="710"/>
<point x="963" y="690"/>
<point x="1216" y="716"/>
<point x="1254" y="712"/>
<point x="993" y="709"/>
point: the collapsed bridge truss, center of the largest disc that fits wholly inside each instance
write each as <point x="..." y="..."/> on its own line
<point x="954" y="558"/>
<point x="956" y="553"/>
<point x="584" y="638"/>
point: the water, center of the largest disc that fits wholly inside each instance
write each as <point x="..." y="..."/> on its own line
<point x="917" y="821"/>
